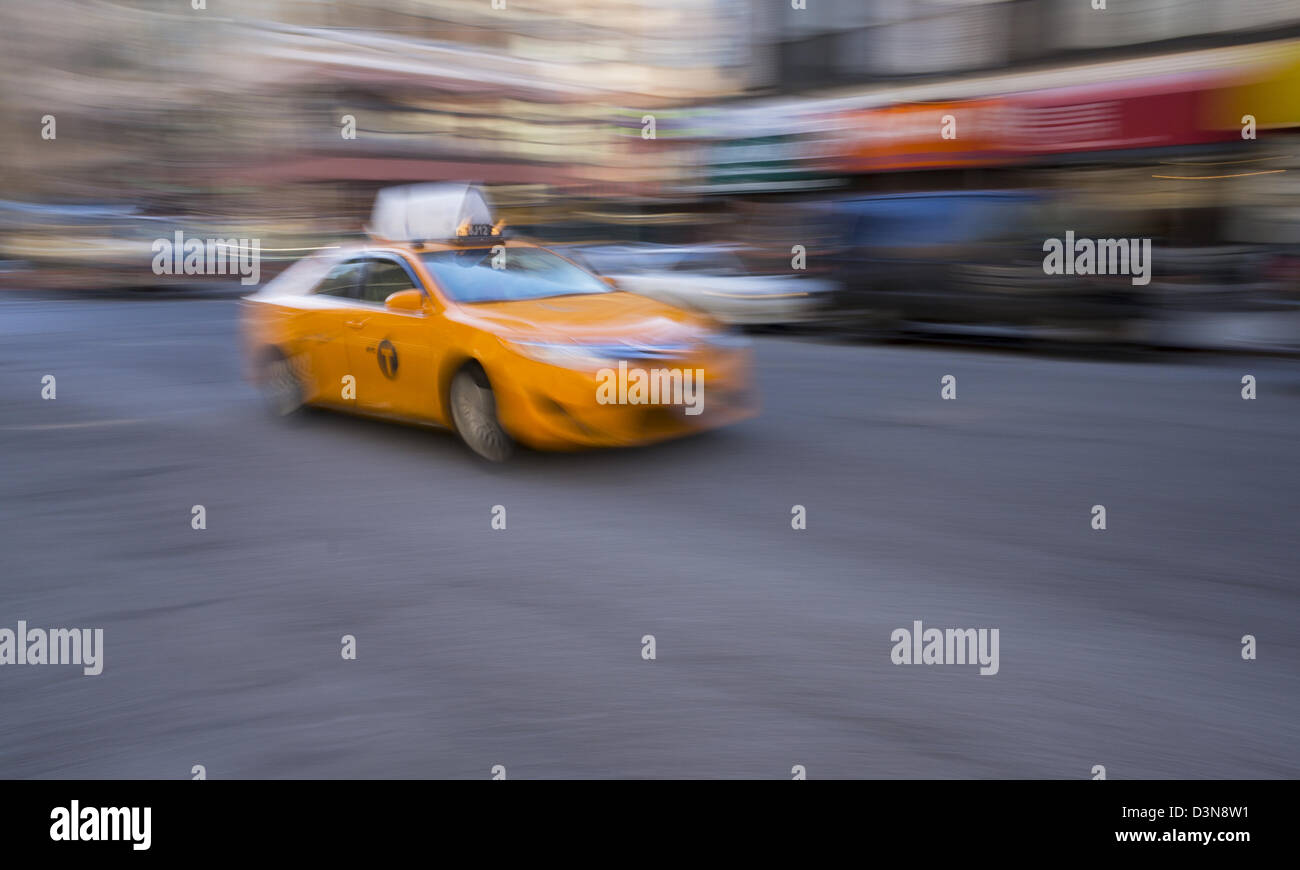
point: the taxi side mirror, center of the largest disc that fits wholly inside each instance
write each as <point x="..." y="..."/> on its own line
<point x="405" y="300"/>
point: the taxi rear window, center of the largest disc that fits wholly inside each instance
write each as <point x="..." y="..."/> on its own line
<point x="468" y="275"/>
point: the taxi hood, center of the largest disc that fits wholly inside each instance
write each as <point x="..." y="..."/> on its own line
<point x="588" y="317"/>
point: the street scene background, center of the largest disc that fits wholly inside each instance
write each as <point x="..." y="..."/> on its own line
<point x="915" y="155"/>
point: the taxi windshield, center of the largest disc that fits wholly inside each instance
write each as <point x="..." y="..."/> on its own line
<point x="527" y="273"/>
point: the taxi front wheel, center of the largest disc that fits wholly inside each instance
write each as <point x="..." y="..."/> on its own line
<point x="282" y="392"/>
<point x="474" y="411"/>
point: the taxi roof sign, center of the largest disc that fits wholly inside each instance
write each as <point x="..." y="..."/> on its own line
<point x="430" y="212"/>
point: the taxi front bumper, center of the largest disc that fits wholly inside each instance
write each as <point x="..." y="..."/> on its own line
<point x="549" y="407"/>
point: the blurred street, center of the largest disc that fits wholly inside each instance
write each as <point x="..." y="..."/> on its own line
<point x="522" y="647"/>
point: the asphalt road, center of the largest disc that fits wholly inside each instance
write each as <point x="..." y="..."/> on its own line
<point x="478" y="647"/>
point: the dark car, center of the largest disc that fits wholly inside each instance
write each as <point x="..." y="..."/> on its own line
<point x="969" y="261"/>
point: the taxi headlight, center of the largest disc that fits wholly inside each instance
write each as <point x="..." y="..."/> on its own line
<point x="563" y="354"/>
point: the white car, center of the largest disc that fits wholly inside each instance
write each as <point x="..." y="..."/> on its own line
<point x="710" y="279"/>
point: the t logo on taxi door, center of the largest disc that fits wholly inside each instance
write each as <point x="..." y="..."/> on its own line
<point x="387" y="359"/>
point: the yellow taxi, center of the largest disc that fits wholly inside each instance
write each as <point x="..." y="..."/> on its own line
<point x="442" y="319"/>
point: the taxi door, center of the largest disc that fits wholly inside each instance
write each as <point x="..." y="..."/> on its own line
<point x="324" y="337"/>
<point x="390" y="352"/>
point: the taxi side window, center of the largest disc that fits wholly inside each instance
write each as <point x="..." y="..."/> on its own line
<point x="383" y="279"/>
<point x="343" y="280"/>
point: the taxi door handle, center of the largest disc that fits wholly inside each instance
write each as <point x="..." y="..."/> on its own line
<point x="355" y="324"/>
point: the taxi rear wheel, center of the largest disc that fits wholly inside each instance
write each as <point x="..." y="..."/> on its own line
<point x="282" y="392"/>
<point x="474" y="411"/>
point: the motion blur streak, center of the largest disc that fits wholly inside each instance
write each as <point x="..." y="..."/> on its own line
<point x="521" y="646"/>
<point x="916" y="154"/>
<point x="865" y="183"/>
